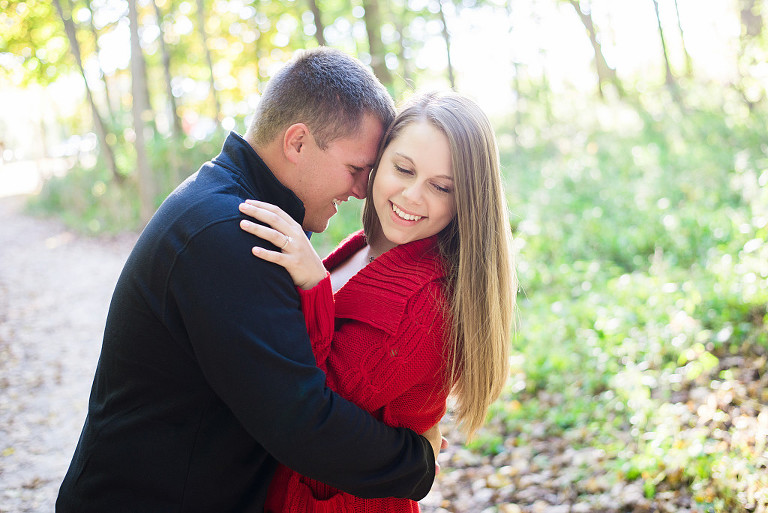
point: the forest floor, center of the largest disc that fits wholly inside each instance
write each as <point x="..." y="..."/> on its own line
<point x="55" y="288"/>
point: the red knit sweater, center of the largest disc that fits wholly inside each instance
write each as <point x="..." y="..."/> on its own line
<point x="380" y="340"/>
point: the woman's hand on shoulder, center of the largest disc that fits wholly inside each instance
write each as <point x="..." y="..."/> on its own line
<point x="295" y="253"/>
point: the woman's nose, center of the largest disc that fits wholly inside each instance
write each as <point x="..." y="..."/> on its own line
<point x="413" y="193"/>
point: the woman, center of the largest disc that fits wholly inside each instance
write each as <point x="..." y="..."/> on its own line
<point x="420" y="303"/>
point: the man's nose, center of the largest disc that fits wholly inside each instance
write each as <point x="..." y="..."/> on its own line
<point x="360" y="185"/>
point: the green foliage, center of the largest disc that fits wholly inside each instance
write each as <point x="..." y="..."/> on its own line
<point x="643" y="264"/>
<point x="93" y="202"/>
<point x="89" y="200"/>
<point x="172" y="161"/>
<point x="345" y="222"/>
<point x="33" y="33"/>
<point x="486" y="442"/>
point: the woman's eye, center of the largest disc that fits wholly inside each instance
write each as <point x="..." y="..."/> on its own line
<point x="403" y="170"/>
<point x="440" y="188"/>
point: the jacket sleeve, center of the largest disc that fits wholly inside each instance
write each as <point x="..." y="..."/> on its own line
<point x="319" y="312"/>
<point x="248" y="335"/>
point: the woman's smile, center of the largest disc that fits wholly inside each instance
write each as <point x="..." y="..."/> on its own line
<point x="402" y="214"/>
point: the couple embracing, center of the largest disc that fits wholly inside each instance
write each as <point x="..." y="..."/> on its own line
<point x="240" y="372"/>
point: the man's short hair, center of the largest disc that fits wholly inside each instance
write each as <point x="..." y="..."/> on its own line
<point x="325" y="89"/>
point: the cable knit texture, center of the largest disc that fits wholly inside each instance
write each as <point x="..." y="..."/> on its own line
<point x="380" y="340"/>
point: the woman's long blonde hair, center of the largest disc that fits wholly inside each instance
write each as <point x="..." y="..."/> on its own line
<point x="476" y="246"/>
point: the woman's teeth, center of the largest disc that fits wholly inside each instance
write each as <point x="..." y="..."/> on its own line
<point x="403" y="215"/>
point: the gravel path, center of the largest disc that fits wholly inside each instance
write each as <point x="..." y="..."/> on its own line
<point x="54" y="294"/>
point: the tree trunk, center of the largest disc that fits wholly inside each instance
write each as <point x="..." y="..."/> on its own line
<point x="375" y="45"/>
<point x="319" y="27"/>
<point x="688" y="61"/>
<point x="751" y="90"/>
<point x="140" y="109"/>
<point x="605" y="74"/>
<point x="751" y="18"/>
<point x="447" y="39"/>
<point x="98" y="121"/>
<point x="516" y="86"/>
<point x="403" y="48"/>
<point x="669" y="79"/>
<point x="176" y="130"/>
<point x="95" y="35"/>
<point x="209" y="60"/>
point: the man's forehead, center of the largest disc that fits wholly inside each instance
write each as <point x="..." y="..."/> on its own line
<point x="356" y="157"/>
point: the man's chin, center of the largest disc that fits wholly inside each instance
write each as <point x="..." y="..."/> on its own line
<point x="315" y="227"/>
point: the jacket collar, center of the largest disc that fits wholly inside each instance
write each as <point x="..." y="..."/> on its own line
<point x="253" y="174"/>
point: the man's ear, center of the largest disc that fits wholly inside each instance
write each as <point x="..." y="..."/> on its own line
<point x="294" y="139"/>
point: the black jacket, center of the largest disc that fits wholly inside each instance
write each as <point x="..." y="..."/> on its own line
<point x="206" y="374"/>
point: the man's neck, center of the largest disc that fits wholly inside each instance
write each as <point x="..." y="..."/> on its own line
<point x="272" y="156"/>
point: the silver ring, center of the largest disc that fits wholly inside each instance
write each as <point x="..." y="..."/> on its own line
<point x="287" y="240"/>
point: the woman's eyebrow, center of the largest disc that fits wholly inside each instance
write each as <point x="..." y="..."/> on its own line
<point x="403" y="155"/>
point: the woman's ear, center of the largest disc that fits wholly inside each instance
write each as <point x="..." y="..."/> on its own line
<point x="295" y="138"/>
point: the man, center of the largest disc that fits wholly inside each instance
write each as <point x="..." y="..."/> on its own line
<point x="206" y="375"/>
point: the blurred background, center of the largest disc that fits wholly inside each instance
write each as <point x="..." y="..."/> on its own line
<point x="634" y="145"/>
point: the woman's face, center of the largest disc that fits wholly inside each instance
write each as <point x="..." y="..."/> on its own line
<point x="413" y="191"/>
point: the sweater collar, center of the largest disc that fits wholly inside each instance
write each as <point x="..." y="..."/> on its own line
<point x="378" y="294"/>
<point x="252" y="173"/>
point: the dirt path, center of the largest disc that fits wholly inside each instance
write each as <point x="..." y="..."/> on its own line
<point x="55" y="288"/>
<point x="54" y="294"/>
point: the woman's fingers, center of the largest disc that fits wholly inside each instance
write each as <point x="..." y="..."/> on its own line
<point x="270" y="214"/>
<point x="295" y="252"/>
<point x="270" y="256"/>
<point x="283" y="227"/>
<point x="265" y="232"/>
<point x="266" y="206"/>
<point x="270" y="235"/>
<point x="264" y="215"/>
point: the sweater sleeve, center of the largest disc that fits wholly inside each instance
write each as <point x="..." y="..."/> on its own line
<point x="318" y="310"/>
<point x="399" y="375"/>
<point x="420" y="396"/>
